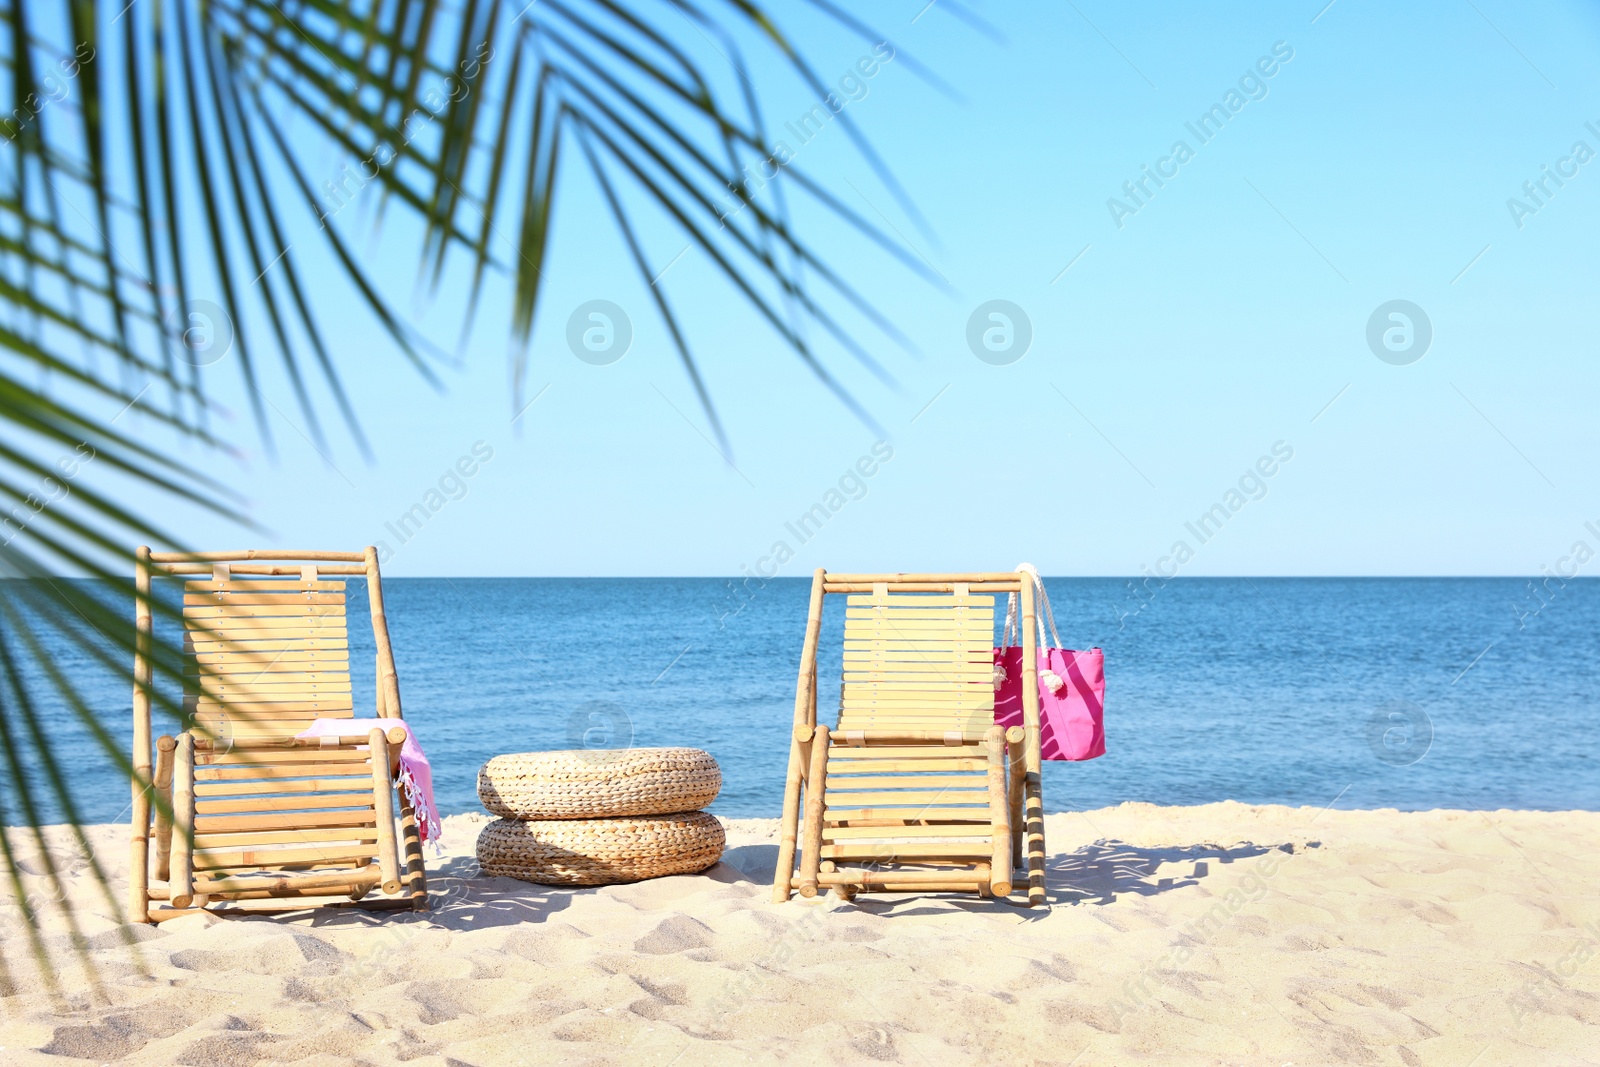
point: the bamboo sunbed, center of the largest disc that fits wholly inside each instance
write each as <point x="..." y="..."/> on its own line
<point x="258" y="819"/>
<point x="914" y="787"/>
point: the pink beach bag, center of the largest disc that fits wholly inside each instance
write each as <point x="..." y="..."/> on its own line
<point x="1072" y="685"/>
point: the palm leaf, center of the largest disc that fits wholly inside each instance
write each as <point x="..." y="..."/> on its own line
<point x="125" y="197"/>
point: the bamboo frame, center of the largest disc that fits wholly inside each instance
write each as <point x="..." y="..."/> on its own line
<point x="396" y="867"/>
<point x="1033" y="796"/>
<point x="805" y="718"/>
<point x="311" y="556"/>
<point x="165" y="748"/>
<point x="139" y="837"/>
<point x="394" y="735"/>
<point x="180" y="885"/>
<point x="1000" y="813"/>
<point x="388" y="680"/>
<point x="290" y="884"/>
<point x="1014" y="804"/>
<point x="383" y="801"/>
<point x="816" y="785"/>
<point x="1014" y="788"/>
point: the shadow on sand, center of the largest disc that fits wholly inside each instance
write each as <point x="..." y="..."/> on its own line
<point x="1094" y="874"/>
<point x="1102" y="872"/>
<point x="462" y="898"/>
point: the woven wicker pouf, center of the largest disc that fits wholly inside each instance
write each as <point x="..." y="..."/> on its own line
<point x="600" y="851"/>
<point x="597" y="783"/>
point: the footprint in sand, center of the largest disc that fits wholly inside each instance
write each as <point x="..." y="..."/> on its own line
<point x="277" y="954"/>
<point x="677" y="933"/>
<point x="662" y="995"/>
<point x="115" y="1036"/>
<point x="440" y="1000"/>
<point x="242" y="1049"/>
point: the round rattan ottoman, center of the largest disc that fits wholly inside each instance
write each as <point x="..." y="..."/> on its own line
<point x="600" y="851"/>
<point x="598" y="783"/>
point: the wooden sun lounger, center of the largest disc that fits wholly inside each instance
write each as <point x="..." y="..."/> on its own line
<point x="914" y="787"/>
<point x="259" y="819"/>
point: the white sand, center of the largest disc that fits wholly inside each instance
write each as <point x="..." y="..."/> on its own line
<point x="1215" y="934"/>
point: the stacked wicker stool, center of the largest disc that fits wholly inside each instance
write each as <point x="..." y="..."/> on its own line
<point x="599" y="816"/>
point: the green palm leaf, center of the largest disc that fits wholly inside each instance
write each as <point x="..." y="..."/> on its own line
<point x="143" y="162"/>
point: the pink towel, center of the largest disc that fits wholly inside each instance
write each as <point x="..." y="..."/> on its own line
<point x="416" y="777"/>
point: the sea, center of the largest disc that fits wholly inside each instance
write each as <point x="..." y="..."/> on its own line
<point x="1404" y="693"/>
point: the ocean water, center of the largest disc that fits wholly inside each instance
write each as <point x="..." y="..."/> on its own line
<point x="1355" y="693"/>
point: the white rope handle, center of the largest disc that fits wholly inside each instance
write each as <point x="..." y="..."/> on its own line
<point x="1012" y="628"/>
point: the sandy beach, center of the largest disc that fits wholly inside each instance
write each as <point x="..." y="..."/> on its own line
<point x="1223" y="933"/>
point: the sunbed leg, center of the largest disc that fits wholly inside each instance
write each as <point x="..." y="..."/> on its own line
<point x="999" y="813"/>
<point x="837" y="892"/>
<point x="416" y="875"/>
<point x="816" y="790"/>
<point x="1016" y="772"/>
<point x="165" y="746"/>
<point x="805" y="717"/>
<point x="1036" y="853"/>
<point x="139" y="825"/>
<point x="383" y="805"/>
<point x="789" y="828"/>
<point x="1032" y="794"/>
<point x="181" y="881"/>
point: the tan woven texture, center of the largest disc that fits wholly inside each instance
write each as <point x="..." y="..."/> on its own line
<point x="598" y="783"/>
<point x="600" y="851"/>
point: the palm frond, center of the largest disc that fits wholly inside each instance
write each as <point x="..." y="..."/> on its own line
<point x="157" y="154"/>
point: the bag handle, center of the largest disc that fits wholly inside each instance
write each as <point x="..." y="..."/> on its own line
<point x="1013" y="625"/>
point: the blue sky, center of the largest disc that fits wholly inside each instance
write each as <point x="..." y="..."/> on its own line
<point x="1170" y="355"/>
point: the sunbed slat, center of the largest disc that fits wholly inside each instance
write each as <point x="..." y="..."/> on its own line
<point x="267" y="665"/>
<point x="232" y="619"/>
<point x="199" y="642"/>
<point x="271" y="707"/>
<point x="282" y="770"/>
<point x="300" y="757"/>
<point x="222" y="842"/>
<point x="251" y="676"/>
<point x="942" y="850"/>
<point x="861" y="833"/>
<point x="844" y="753"/>
<point x="273" y="803"/>
<point x="237" y="858"/>
<point x="879" y="766"/>
<point x="912" y="797"/>
<point x="232" y="824"/>
<point x="909" y="815"/>
<point x="230" y="787"/>
<point x="303" y="601"/>
<point x="262" y="585"/>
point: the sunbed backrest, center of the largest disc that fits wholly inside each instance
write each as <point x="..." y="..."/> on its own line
<point x="265" y="656"/>
<point x="918" y="661"/>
